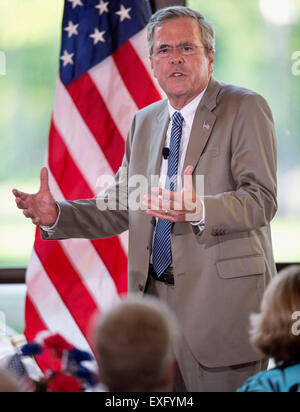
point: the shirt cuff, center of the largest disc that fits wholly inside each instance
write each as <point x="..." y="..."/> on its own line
<point x="51" y="229"/>
<point x="201" y="223"/>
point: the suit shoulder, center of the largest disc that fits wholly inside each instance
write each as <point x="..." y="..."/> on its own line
<point x="236" y="95"/>
<point x="153" y="109"/>
<point x="230" y="92"/>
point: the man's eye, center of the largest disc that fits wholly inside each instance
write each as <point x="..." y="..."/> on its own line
<point x="164" y="51"/>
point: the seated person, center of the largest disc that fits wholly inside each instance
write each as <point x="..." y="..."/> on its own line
<point x="134" y="343"/>
<point x="276" y="333"/>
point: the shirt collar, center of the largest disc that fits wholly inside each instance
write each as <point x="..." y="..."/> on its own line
<point x="189" y="109"/>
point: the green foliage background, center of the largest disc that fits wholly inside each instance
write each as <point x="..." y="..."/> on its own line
<point x="30" y="38"/>
<point x="253" y="53"/>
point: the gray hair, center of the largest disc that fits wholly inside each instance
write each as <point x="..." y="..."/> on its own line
<point x="175" y="12"/>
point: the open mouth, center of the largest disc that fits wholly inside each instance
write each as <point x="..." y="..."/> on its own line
<point x="177" y="74"/>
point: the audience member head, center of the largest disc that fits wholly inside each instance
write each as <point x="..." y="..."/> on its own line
<point x="134" y="346"/>
<point x="274" y="331"/>
<point x="7" y="382"/>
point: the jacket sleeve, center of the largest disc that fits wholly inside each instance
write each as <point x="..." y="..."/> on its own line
<point x="105" y="215"/>
<point x="253" y="167"/>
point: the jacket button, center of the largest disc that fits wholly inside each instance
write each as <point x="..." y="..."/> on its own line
<point x="141" y="287"/>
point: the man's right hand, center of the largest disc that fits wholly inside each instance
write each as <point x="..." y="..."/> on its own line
<point x="40" y="207"/>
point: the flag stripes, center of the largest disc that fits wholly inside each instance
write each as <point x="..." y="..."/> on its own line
<point x="98" y="120"/>
<point x="69" y="281"/>
<point x="64" y="169"/>
<point x="138" y="42"/>
<point x="72" y="291"/>
<point x="89" y="265"/>
<point x="145" y="95"/>
<point x="73" y="186"/>
<point x="34" y="320"/>
<point x="48" y="304"/>
<point x="71" y="128"/>
<point x="106" y="73"/>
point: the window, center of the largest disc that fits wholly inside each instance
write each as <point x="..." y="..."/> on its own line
<point x="30" y="56"/>
<point x="258" y="47"/>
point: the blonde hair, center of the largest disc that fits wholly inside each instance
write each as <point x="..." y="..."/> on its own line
<point x="134" y="345"/>
<point x="272" y="331"/>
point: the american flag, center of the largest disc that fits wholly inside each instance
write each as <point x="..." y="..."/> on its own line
<point x="104" y="79"/>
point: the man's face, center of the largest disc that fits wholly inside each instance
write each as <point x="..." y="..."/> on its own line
<point x="181" y="75"/>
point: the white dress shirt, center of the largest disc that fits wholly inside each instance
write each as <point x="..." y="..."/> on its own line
<point x="188" y="113"/>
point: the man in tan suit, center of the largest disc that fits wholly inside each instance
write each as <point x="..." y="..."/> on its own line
<point x="220" y="253"/>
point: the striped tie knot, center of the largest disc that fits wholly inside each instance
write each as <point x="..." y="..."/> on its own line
<point x="177" y="119"/>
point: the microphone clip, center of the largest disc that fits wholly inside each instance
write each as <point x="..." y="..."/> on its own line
<point x="166" y="153"/>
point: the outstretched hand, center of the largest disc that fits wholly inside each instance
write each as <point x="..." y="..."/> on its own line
<point x="40" y="207"/>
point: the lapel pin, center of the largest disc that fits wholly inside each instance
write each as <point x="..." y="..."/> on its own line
<point x="206" y="126"/>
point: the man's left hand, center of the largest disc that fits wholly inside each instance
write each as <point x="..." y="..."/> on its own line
<point x="182" y="206"/>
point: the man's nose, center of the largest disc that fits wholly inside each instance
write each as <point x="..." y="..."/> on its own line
<point x="176" y="57"/>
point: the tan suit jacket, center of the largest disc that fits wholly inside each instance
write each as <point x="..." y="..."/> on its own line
<point x="220" y="273"/>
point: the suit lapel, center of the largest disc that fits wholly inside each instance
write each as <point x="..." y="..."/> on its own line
<point x="158" y="141"/>
<point x="201" y="130"/>
<point x="203" y="125"/>
<point x="156" y="146"/>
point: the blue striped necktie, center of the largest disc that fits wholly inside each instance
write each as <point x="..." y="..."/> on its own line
<point x="162" y="254"/>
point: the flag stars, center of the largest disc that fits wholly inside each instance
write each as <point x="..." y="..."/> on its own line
<point x="76" y="3"/>
<point x="103" y="7"/>
<point x="124" y="13"/>
<point x="98" y="36"/>
<point x="72" y="29"/>
<point x="67" y="58"/>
